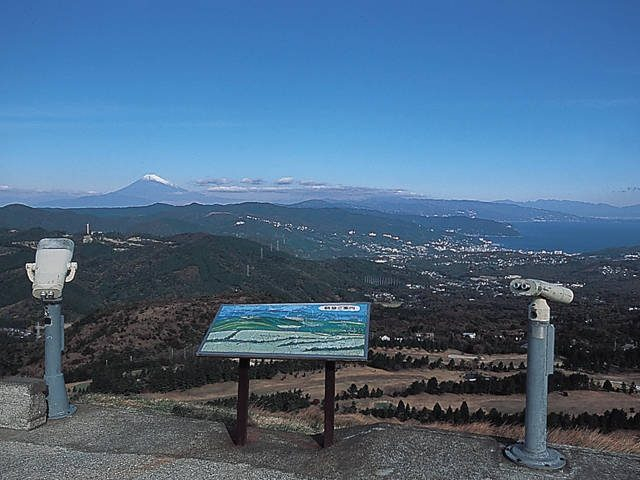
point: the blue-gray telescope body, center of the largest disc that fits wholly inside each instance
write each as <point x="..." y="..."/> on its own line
<point x="537" y="288"/>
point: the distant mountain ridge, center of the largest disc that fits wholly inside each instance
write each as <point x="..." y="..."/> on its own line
<point x="583" y="209"/>
<point x="496" y="211"/>
<point x="501" y="211"/>
<point x="152" y="188"/>
<point x="468" y="208"/>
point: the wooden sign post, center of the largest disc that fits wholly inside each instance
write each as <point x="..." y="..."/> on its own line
<point x="305" y="331"/>
<point x="242" y="406"/>
<point x="329" y="402"/>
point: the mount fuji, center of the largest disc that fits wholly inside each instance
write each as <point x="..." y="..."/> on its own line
<point x="149" y="189"/>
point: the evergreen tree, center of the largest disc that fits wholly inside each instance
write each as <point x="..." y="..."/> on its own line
<point x="464" y="413"/>
<point x="448" y="416"/>
<point x="432" y="386"/>
<point x="437" y="412"/>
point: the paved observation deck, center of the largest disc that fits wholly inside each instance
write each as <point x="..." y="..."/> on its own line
<point x="123" y="443"/>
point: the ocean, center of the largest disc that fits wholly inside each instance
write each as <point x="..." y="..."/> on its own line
<point x="573" y="237"/>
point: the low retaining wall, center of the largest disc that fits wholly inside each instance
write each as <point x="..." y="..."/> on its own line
<point x="22" y="403"/>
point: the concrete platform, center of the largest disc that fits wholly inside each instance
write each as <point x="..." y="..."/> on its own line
<point x="120" y="443"/>
<point x="22" y="403"/>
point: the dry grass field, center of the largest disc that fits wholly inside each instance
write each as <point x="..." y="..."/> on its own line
<point x="310" y="420"/>
<point x="575" y="403"/>
<point x="615" y="378"/>
<point x="312" y="383"/>
<point x="446" y="355"/>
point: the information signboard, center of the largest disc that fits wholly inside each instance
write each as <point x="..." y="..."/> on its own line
<point x="321" y="331"/>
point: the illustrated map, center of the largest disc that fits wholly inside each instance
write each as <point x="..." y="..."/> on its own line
<point x="331" y="331"/>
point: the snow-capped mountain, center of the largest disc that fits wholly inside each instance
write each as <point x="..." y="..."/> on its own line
<point x="152" y="177"/>
<point x="150" y="188"/>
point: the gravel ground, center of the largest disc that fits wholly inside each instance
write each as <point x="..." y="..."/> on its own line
<point x="120" y="443"/>
<point x="21" y="461"/>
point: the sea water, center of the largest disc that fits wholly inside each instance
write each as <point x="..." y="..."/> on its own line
<point x="573" y="237"/>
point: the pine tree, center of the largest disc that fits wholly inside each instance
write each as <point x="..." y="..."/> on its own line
<point x="437" y="412"/>
<point x="432" y="386"/>
<point x="464" y="413"/>
<point x="448" y="416"/>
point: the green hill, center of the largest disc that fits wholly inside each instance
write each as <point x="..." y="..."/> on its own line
<point x="305" y="232"/>
<point x="117" y="270"/>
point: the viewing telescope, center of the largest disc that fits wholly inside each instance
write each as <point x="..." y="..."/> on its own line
<point x="51" y="270"/>
<point x="537" y="288"/>
<point x="533" y="451"/>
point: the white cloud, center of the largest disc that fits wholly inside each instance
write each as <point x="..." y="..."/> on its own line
<point x="313" y="183"/>
<point x="213" y="181"/>
<point x="227" y="189"/>
<point x="252" y="181"/>
<point x="287" y="190"/>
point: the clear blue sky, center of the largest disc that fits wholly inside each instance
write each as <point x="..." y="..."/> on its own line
<point x="477" y="99"/>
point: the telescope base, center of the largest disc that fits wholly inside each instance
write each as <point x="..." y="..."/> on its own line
<point x="57" y="399"/>
<point x="550" y="459"/>
<point x="58" y="415"/>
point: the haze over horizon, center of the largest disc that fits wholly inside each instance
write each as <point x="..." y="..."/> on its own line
<point x="486" y="101"/>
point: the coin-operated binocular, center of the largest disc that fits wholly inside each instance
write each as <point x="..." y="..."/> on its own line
<point x="533" y="452"/>
<point x="51" y="270"/>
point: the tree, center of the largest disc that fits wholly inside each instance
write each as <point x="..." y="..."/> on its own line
<point x="437" y="412"/>
<point x="464" y="413"/>
<point x="448" y="416"/>
<point x="352" y="390"/>
<point x="495" y="417"/>
<point x="432" y="386"/>
<point x="478" y="416"/>
<point x="363" y="392"/>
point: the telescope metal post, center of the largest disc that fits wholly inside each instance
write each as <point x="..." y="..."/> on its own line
<point x="57" y="398"/>
<point x="534" y="452"/>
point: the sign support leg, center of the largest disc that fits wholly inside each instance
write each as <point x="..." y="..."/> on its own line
<point x="329" y="402"/>
<point x="243" y="402"/>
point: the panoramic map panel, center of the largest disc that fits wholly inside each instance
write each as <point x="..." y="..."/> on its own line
<point x="332" y="331"/>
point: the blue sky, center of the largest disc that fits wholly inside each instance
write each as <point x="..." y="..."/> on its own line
<point x="484" y="100"/>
